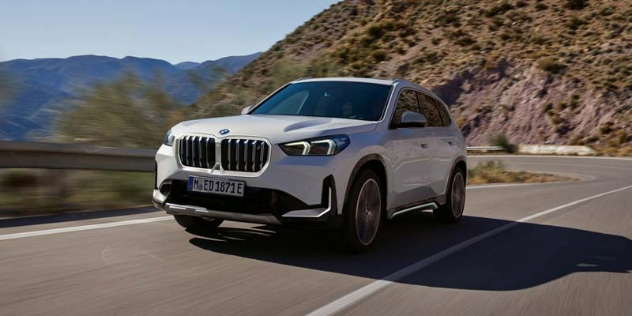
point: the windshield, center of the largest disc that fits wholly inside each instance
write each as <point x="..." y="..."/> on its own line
<point x="350" y="100"/>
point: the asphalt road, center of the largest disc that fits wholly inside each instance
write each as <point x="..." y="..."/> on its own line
<point x="542" y="249"/>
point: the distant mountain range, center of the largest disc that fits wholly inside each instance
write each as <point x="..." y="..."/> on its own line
<point x="44" y="84"/>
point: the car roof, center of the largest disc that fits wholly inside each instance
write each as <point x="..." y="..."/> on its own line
<point x="388" y="82"/>
<point x="348" y="79"/>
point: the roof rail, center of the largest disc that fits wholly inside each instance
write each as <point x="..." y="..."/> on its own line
<point x="302" y="78"/>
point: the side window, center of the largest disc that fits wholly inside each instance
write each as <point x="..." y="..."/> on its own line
<point x="445" y="115"/>
<point x="429" y="110"/>
<point x="407" y="102"/>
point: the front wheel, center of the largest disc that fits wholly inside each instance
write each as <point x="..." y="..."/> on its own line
<point x="452" y="210"/>
<point x="363" y="211"/>
<point x="197" y="223"/>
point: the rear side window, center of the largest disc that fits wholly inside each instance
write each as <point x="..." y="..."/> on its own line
<point x="430" y="110"/>
<point x="443" y="111"/>
<point x="445" y="115"/>
<point x="407" y="102"/>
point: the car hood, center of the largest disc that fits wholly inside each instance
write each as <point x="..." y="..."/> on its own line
<point x="275" y="128"/>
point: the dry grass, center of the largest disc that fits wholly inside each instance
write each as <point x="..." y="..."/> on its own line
<point x="48" y="191"/>
<point x="495" y="172"/>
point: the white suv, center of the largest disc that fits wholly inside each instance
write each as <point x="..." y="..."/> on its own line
<point x="332" y="152"/>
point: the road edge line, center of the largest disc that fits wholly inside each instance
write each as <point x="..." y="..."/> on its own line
<point x="82" y="228"/>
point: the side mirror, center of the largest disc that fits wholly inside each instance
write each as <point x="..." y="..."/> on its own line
<point x="413" y="119"/>
<point x="246" y="110"/>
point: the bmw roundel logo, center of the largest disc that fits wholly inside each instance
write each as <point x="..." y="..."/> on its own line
<point x="224" y="131"/>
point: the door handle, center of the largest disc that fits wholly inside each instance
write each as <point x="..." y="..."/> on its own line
<point x="424" y="145"/>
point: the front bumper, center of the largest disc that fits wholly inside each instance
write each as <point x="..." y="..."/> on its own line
<point x="320" y="214"/>
<point x="286" y="192"/>
<point x="278" y="211"/>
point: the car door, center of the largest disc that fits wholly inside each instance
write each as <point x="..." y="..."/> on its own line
<point x="445" y="142"/>
<point x="411" y="155"/>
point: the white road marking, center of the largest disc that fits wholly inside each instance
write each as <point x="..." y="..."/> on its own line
<point x="488" y="186"/>
<point x="548" y="156"/>
<point x="355" y="296"/>
<point x="84" y="227"/>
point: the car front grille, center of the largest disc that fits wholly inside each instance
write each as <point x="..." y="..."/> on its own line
<point x="244" y="155"/>
<point x="247" y="155"/>
<point x="197" y="151"/>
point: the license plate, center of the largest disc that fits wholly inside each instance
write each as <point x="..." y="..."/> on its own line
<point x="217" y="186"/>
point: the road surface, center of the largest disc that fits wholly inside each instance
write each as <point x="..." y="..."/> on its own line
<point x="562" y="248"/>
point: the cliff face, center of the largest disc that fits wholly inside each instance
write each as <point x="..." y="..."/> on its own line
<point x="539" y="71"/>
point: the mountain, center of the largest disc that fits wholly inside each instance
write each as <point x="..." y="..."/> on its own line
<point x="546" y="71"/>
<point x="187" y="65"/>
<point x="43" y="85"/>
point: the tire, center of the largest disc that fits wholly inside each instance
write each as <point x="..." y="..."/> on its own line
<point x="197" y="223"/>
<point x="362" y="224"/>
<point x="452" y="210"/>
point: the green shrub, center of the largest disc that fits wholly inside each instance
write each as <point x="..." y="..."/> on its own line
<point x="465" y="41"/>
<point x="561" y="106"/>
<point x="499" y="9"/>
<point x="502" y="140"/>
<point x="605" y="128"/>
<point x="607" y="11"/>
<point x="575" y="23"/>
<point x="575" y="4"/>
<point x="547" y="107"/>
<point x="375" y="31"/>
<point x="550" y="65"/>
<point x="379" y="55"/>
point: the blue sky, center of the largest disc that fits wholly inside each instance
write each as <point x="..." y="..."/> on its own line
<point x="187" y="30"/>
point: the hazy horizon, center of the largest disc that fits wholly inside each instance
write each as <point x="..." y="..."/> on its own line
<point x="195" y="31"/>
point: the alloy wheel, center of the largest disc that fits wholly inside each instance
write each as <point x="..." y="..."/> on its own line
<point x="367" y="213"/>
<point x="458" y="195"/>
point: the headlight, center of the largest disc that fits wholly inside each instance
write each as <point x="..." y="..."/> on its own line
<point x="169" y="138"/>
<point x="326" y="146"/>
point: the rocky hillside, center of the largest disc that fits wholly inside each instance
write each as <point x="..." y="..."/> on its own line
<point x="557" y="71"/>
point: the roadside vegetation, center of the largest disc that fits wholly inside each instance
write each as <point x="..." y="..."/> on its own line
<point x="8" y="88"/>
<point x="122" y="113"/>
<point x="55" y="191"/>
<point x="496" y="172"/>
<point x="35" y="191"/>
<point x="501" y="140"/>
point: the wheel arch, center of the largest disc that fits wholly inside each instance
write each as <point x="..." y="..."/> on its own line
<point x="373" y="162"/>
<point x="460" y="163"/>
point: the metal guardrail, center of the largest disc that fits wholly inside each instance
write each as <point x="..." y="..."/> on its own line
<point x="74" y="156"/>
<point x="89" y="157"/>
<point x="484" y="148"/>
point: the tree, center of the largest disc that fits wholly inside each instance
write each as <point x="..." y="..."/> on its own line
<point x="8" y="89"/>
<point x="122" y="113"/>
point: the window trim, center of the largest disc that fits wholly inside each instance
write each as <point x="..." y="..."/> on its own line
<point x="432" y="105"/>
<point x="393" y="126"/>
<point x="439" y="103"/>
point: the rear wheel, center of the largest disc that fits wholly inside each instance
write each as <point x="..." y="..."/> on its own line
<point x="452" y="210"/>
<point x="363" y="211"/>
<point x="197" y="223"/>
